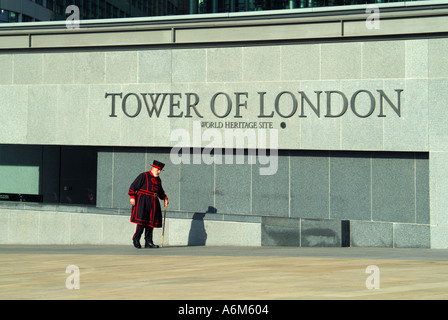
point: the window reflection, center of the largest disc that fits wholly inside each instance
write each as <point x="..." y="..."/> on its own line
<point x="49" y="174"/>
<point x="110" y="9"/>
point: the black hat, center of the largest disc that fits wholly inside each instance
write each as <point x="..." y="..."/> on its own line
<point x="158" y="165"/>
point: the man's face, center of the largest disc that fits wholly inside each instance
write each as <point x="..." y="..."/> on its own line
<point x="155" y="171"/>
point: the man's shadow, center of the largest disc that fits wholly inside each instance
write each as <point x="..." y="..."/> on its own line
<point x="198" y="235"/>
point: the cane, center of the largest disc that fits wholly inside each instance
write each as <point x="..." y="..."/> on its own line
<point x="163" y="228"/>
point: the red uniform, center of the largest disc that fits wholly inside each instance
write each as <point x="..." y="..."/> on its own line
<point x="147" y="190"/>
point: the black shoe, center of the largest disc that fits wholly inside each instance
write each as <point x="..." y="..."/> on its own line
<point x="137" y="244"/>
<point x="150" y="245"/>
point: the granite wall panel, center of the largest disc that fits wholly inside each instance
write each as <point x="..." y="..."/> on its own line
<point x="362" y="186"/>
<point x="350" y="185"/>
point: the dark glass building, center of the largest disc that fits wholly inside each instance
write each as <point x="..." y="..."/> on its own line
<point x="49" y="10"/>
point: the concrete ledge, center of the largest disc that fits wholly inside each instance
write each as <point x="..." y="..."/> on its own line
<point x="56" y="227"/>
<point x="14" y="42"/>
<point x="24" y="223"/>
<point x="34" y="224"/>
<point x="148" y="37"/>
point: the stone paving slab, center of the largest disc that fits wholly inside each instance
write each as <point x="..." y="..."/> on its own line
<point x="221" y="273"/>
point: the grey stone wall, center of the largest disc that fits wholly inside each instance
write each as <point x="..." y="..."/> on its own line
<point x="59" y="97"/>
<point x="317" y="198"/>
<point x="373" y="170"/>
<point x="50" y="224"/>
<point x="364" y="186"/>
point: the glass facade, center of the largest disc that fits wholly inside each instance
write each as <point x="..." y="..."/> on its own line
<point x="49" y="174"/>
<point x="213" y="6"/>
<point x="108" y="9"/>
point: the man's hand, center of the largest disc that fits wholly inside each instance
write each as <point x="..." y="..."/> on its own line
<point x="132" y="201"/>
<point x="166" y="202"/>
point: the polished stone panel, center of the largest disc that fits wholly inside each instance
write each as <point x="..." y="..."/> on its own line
<point x="437" y="65"/>
<point x="279" y="231"/>
<point x="270" y="193"/>
<point x="154" y="66"/>
<point x="89" y="67"/>
<point x="411" y="236"/>
<point x="309" y="184"/>
<point x="422" y="188"/>
<point x="350" y="185"/>
<point x="383" y="59"/>
<point x="104" y="130"/>
<point x="28" y="68"/>
<point x="128" y="164"/>
<point x="233" y="188"/>
<point x="137" y="130"/>
<point x="42" y="124"/>
<point x="357" y="131"/>
<point x="316" y="129"/>
<point x="341" y="60"/>
<point x="300" y="62"/>
<point x="409" y="132"/>
<point x="320" y="233"/>
<point x="58" y="68"/>
<point x="197" y="186"/>
<point x="371" y="234"/>
<point x="438" y="166"/>
<point x="437" y="95"/>
<point x="393" y="187"/>
<point x="417" y="62"/>
<point x="72" y="122"/>
<point x="6" y="65"/>
<point x="224" y="64"/>
<point x="121" y="67"/>
<point x="188" y="65"/>
<point x="104" y="188"/>
<point x="261" y="63"/>
<point x="14" y="111"/>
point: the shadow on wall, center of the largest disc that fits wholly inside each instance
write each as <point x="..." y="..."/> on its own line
<point x="198" y="235"/>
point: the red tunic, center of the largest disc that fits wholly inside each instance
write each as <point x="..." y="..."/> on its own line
<point x="146" y="189"/>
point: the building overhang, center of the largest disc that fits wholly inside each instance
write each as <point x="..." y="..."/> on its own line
<point x="402" y="19"/>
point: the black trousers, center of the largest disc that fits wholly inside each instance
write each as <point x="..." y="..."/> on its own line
<point x="139" y="231"/>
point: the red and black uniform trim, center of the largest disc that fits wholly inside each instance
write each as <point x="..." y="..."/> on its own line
<point x="146" y="189"/>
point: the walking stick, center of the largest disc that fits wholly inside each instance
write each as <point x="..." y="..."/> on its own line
<point x="163" y="228"/>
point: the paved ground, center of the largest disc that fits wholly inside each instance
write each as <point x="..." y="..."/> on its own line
<point x="221" y="273"/>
